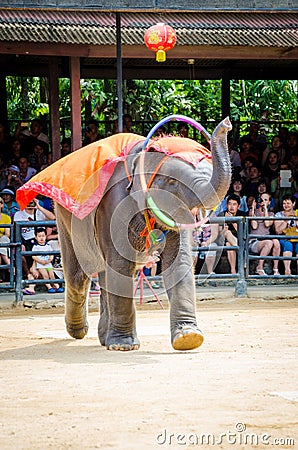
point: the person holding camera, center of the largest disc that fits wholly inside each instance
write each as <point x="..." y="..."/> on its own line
<point x="33" y="212"/>
<point x="263" y="247"/>
<point x="13" y="177"/>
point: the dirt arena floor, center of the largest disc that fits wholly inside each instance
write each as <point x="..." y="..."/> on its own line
<point x="239" y="390"/>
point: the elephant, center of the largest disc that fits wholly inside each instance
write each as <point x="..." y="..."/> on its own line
<point x="115" y="239"/>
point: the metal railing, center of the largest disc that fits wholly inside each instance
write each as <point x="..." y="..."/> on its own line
<point x="256" y="257"/>
<point x="20" y="282"/>
<point x="11" y="248"/>
<point x="244" y="257"/>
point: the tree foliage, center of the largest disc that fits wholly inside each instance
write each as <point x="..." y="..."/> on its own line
<point x="151" y="100"/>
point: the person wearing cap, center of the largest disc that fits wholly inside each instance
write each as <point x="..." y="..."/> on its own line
<point x="13" y="177"/>
<point x="30" y="136"/>
<point x="10" y="205"/>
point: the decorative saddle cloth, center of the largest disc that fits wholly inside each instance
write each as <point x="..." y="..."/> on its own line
<point x="78" y="181"/>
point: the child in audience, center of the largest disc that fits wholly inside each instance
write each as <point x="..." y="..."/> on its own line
<point x="44" y="262"/>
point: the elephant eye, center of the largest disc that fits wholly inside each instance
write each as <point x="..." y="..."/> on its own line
<point x="171" y="181"/>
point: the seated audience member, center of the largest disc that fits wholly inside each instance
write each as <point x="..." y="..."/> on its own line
<point x="293" y="165"/>
<point x="262" y="189"/>
<point x="160" y="132"/>
<point x="259" y="142"/>
<point x="15" y="153"/>
<point x="150" y="268"/>
<point x="246" y="150"/>
<point x="52" y="234"/>
<point x="65" y="147"/>
<point x="43" y="262"/>
<point x="251" y="185"/>
<point x="91" y="132"/>
<point x="292" y="144"/>
<point x="236" y="187"/>
<point x="272" y="168"/>
<point x="46" y="202"/>
<point x="48" y="162"/>
<point x="182" y="129"/>
<point x="276" y="146"/>
<point x="5" y="139"/>
<point x="26" y="172"/>
<point x="247" y="163"/>
<point x="8" y="194"/>
<point x="263" y="247"/>
<point x="288" y="246"/>
<point x="279" y="190"/>
<point x="38" y="159"/>
<point x="127" y="123"/>
<point x="206" y="237"/>
<point x="234" y="156"/>
<point x="229" y="231"/>
<point x="29" y="137"/>
<point x="3" y="171"/>
<point x="4" y="235"/>
<point x="13" y="177"/>
<point x="32" y="212"/>
<point x="283" y="134"/>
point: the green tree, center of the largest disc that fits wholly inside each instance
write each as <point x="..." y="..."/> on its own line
<point x="151" y="100"/>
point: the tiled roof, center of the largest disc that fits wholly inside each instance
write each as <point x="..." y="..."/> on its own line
<point x="274" y="29"/>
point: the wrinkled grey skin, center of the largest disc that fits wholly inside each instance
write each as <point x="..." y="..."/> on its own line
<point x="108" y="242"/>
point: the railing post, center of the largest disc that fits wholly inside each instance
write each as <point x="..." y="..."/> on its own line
<point x="18" y="261"/>
<point x="241" y="285"/>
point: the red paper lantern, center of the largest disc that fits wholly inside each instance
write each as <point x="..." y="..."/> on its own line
<point x="160" y="38"/>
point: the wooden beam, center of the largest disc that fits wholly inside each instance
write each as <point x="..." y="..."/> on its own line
<point x="76" y="119"/>
<point x="54" y="108"/>
<point x="141" y="51"/>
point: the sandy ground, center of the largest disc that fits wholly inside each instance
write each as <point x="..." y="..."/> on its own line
<point x="239" y="390"/>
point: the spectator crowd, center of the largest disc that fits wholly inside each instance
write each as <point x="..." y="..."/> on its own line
<point x="264" y="185"/>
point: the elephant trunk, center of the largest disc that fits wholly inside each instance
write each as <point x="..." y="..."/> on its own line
<point x="219" y="183"/>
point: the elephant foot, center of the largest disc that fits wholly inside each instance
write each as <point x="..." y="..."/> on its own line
<point x="187" y="336"/>
<point x="122" y="343"/>
<point x="77" y="333"/>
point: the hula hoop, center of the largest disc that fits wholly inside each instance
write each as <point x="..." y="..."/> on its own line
<point x="151" y="204"/>
<point x="180" y="118"/>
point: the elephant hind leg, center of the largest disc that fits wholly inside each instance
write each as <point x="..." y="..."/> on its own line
<point x="76" y="309"/>
<point x="103" y="324"/>
<point x="187" y="336"/>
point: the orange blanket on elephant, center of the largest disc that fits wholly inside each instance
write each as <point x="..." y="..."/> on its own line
<point x="78" y="181"/>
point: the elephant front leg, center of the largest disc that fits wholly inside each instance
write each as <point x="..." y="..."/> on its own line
<point x="104" y="319"/>
<point x="121" y="330"/>
<point x="180" y="285"/>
